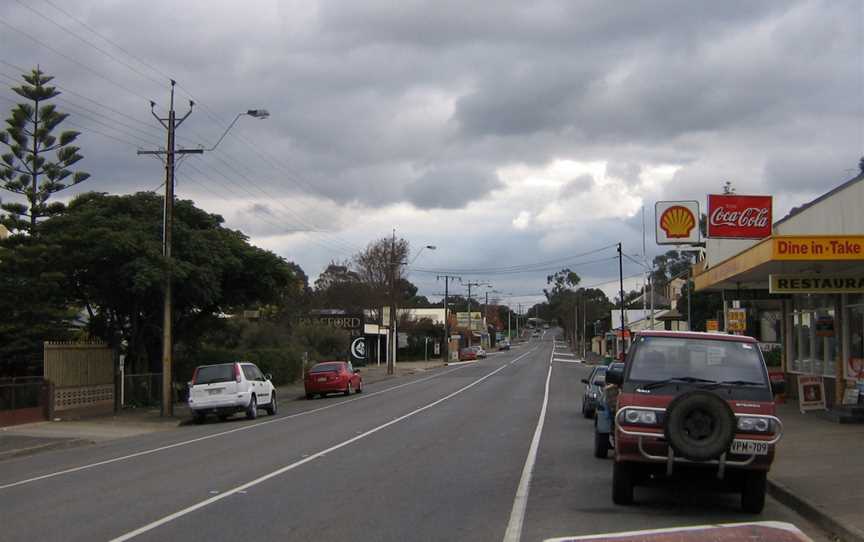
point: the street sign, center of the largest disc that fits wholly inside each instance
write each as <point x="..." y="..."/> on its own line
<point x="731" y="216"/>
<point x="712" y="325"/>
<point x="677" y="222"/>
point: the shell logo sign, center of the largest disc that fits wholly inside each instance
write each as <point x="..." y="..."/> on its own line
<point x="677" y="222"/>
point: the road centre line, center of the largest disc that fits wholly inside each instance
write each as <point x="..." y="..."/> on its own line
<point x="282" y="470"/>
<point x="520" y="502"/>
<point x="214" y="435"/>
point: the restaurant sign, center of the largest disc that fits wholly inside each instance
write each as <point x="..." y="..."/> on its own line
<point x="819" y="247"/>
<point x="739" y="217"/>
<point x="815" y="284"/>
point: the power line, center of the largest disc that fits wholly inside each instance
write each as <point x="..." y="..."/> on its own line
<point x="524" y="266"/>
<point x="91" y="44"/>
<point x="526" y="269"/>
<point x="73" y="60"/>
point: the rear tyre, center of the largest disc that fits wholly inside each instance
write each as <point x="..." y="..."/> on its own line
<point x="622" y="483"/>
<point x="223" y="417"/>
<point x="601" y="445"/>
<point x="349" y="389"/>
<point x="272" y="408"/>
<point x="753" y="493"/>
<point x="252" y="409"/>
<point x="310" y="396"/>
<point x="359" y="387"/>
<point x="198" y="417"/>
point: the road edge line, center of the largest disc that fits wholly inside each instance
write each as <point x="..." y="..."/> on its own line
<point x="520" y="502"/>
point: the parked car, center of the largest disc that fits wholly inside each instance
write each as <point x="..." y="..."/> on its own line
<point x="467" y="354"/>
<point x="694" y="406"/>
<point x="332" y="377"/>
<point x="227" y="388"/>
<point x="480" y="351"/>
<point x="505" y="345"/>
<point x="593" y="390"/>
<point x="603" y="419"/>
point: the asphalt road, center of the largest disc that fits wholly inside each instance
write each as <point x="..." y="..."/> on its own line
<point x="440" y="456"/>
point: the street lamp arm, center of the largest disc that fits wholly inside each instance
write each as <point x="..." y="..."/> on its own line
<point x="256" y="113"/>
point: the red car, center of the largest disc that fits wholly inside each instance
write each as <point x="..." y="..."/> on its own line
<point x="332" y="377"/>
<point x="467" y="354"/>
<point x="694" y="406"/>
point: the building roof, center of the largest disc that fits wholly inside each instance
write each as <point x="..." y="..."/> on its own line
<point x="826" y="195"/>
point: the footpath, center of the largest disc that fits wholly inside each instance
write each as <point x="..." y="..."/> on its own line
<point x="31" y="438"/>
<point x="819" y="473"/>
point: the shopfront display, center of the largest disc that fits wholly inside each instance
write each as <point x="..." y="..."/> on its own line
<point x="815" y="344"/>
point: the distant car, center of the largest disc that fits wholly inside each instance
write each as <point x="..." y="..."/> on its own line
<point x="481" y="352"/>
<point x="467" y="354"/>
<point x="227" y="388"/>
<point x="504" y="345"/>
<point x="332" y="377"/>
<point x="593" y="390"/>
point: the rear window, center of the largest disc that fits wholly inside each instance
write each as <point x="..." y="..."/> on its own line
<point x="659" y="358"/>
<point x="210" y="374"/>
<point x="325" y="367"/>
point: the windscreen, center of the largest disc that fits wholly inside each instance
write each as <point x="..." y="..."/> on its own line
<point x="210" y="374"/>
<point x="325" y="368"/>
<point x="659" y="358"/>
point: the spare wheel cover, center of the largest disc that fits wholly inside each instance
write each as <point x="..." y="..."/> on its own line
<point x="699" y="425"/>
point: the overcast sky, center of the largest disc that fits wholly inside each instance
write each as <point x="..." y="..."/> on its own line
<point x="505" y="133"/>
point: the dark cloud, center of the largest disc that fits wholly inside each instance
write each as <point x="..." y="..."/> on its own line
<point x="450" y="187"/>
<point x="376" y="104"/>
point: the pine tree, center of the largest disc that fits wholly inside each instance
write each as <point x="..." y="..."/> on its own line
<point x="26" y="170"/>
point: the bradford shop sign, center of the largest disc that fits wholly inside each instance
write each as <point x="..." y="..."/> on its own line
<point x="828" y="247"/>
<point x="731" y="216"/>
<point x="815" y="284"/>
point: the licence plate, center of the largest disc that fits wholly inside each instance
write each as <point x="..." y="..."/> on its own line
<point x="749" y="447"/>
<point x="214" y="392"/>
<point x="322" y="379"/>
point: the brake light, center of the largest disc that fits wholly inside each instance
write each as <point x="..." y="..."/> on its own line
<point x="195" y="376"/>
<point x="237" y="377"/>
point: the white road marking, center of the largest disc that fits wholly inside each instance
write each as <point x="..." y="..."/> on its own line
<point x="579" y="361"/>
<point x="520" y="503"/>
<point x="292" y="466"/>
<point x="779" y="525"/>
<point x="214" y="435"/>
<point x="564" y="354"/>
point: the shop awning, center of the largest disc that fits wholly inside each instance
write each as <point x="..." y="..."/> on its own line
<point x="825" y="255"/>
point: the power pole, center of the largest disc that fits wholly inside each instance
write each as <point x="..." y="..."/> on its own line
<point x="391" y="357"/>
<point x="621" y="285"/>
<point x="447" y="279"/>
<point x="171" y="124"/>
<point x="584" y="323"/>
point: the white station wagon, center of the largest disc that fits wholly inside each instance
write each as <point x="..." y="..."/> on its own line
<point x="228" y="388"/>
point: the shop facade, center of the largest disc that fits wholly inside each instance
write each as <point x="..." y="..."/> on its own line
<point x="800" y="291"/>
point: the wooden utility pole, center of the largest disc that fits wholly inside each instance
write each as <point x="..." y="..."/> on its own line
<point x="447" y="279"/>
<point x="171" y="124"/>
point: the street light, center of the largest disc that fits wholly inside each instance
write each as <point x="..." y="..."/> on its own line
<point x="419" y="252"/>
<point x="254" y="113"/>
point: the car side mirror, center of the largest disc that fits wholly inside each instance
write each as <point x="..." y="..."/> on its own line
<point x="584" y="380"/>
<point x="189" y="384"/>
<point x="778" y="387"/>
<point x="615" y="374"/>
<point x="268" y="376"/>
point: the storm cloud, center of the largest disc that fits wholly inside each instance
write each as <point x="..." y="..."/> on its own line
<point x="492" y="129"/>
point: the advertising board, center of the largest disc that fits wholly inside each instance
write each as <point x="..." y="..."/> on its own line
<point x="677" y="222"/>
<point x="731" y="216"/>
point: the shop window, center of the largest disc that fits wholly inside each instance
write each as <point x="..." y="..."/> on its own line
<point x="856" y="342"/>
<point x="815" y="337"/>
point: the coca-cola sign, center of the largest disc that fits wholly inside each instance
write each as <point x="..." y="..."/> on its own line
<point x="739" y="217"/>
